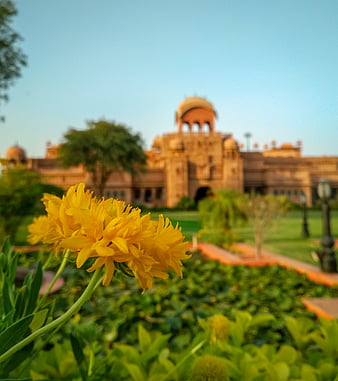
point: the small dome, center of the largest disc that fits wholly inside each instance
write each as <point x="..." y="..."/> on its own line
<point x="230" y="144"/>
<point x="176" y="145"/>
<point x="157" y="142"/>
<point x="16" y="154"/>
<point x="191" y="103"/>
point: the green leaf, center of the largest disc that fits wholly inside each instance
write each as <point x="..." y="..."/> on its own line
<point x="35" y="288"/>
<point x="282" y="370"/>
<point x="7" y="247"/>
<point x="286" y="354"/>
<point x="327" y="370"/>
<point x="234" y="372"/>
<point x="130" y="353"/>
<point x="135" y="372"/>
<point x="14" y="361"/>
<point x="14" y="333"/>
<point x="156" y="345"/>
<point x="20" y="302"/>
<point x="79" y="356"/>
<point x="38" y="320"/>
<point x="143" y="338"/>
<point x="308" y="373"/>
<point x="7" y="299"/>
<point x="261" y="319"/>
<point x="37" y="376"/>
<point x="168" y="365"/>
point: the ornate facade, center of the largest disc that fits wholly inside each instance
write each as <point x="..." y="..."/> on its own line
<point x="196" y="158"/>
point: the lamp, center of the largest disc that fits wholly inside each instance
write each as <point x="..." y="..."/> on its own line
<point x="324" y="189"/>
<point x="326" y="254"/>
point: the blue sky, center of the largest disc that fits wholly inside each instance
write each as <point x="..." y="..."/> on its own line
<point x="269" y="68"/>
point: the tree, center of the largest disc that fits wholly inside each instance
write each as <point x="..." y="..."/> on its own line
<point x="219" y="212"/>
<point x="12" y="58"/>
<point x="185" y="203"/>
<point x="103" y="148"/>
<point x="20" y="194"/>
<point x="264" y="212"/>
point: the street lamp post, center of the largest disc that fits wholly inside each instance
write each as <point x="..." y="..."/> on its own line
<point x="305" y="227"/>
<point x="326" y="254"/>
<point x="247" y="136"/>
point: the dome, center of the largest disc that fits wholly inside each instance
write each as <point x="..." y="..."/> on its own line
<point x="157" y="142"/>
<point x="16" y="154"/>
<point x="230" y="144"/>
<point x="176" y="145"/>
<point x="191" y="103"/>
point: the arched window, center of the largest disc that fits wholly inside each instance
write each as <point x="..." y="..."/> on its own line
<point x="185" y="127"/>
<point x="196" y="127"/>
<point x="206" y="126"/>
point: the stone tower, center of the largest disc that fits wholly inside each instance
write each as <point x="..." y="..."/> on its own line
<point x="197" y="158"/>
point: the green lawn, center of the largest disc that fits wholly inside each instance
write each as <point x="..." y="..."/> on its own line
<point x="285" y="239"/>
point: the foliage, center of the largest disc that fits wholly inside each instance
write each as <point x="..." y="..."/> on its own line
<point x="207" y="288"/>
<point x="264" y="212"/>
<point x="103" y="148"/>
<point x="152" y="359"/>
<point x="218" y="214"/>
<point x="11" y="57"/>
<point x="20" y="193"/>
<point x="185" y="203"/>
<point x="17" y="305"/>
<point x="250" y="319"/>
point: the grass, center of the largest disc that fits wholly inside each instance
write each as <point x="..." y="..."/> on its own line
<point x="284" y="239"/>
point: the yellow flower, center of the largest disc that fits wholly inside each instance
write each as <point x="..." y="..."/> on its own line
<point x="111" y="232"/>
<point x="218" y="328"/>
<point x="38" y="230"/>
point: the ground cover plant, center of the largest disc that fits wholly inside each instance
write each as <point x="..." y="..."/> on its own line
<point x="261" y="327"/>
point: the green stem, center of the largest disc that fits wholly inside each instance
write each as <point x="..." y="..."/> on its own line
<point x="59" y="321"/>
<point x="195" y="349"/>
<point x="50" y="255"/>
<point x="56" y="276"/>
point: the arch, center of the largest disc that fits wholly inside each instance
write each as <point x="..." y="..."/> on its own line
<point x="196" y="127"/>
<point x="201" y="193"/>
<point x="186" y="127"/>
<point x="196" y="111"/>
<point x="206" y="126"/>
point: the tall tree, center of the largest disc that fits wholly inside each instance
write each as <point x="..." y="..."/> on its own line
<point x="103" y="148"/>
<point x="12" y="58"/>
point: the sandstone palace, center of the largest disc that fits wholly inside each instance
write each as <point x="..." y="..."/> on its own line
<point x="196" y="158"/>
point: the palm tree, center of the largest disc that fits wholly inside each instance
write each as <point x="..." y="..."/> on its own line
<point x="220" y="211"/>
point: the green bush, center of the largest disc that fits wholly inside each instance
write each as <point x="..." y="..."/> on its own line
<point x="251" y="320"/>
